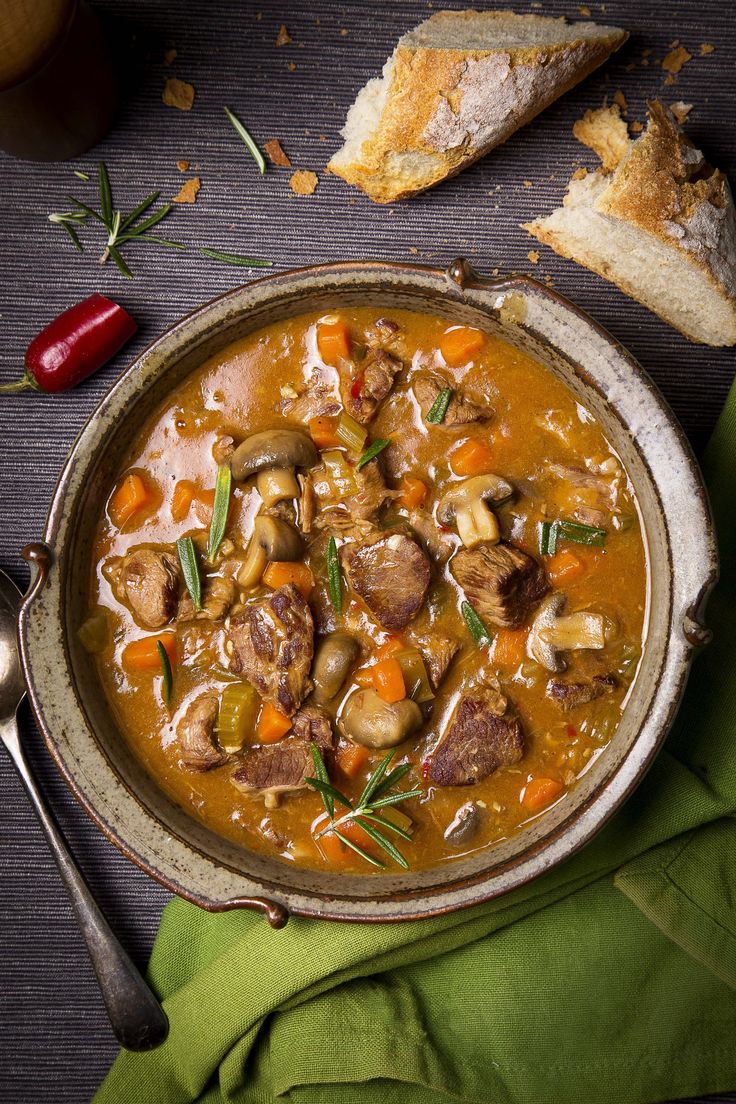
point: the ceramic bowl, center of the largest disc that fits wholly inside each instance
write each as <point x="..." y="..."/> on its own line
<point x="78" y="725"/>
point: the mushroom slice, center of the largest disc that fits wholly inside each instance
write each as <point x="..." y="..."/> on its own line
<point x="273" y="456"/>
<point x="466" y="504"/>
<point x="333" y="658"/>
<point x="368" y="720"/>
<point x="272" y="539"/>
<point x="554" y="632"/>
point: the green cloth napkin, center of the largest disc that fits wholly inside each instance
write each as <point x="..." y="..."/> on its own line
<point x="611" y="978"/>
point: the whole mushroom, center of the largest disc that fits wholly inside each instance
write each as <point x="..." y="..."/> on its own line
<point x="273" y="457"/>
<point x="554" y="632"/>
<point x="272" y="539"/>
<point x="368" y="720"/>
<point x="333" y="658"/>
<point x="466" y="504"/>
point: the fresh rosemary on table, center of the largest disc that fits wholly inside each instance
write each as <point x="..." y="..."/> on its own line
<point x="366" y="810"/>
<point x="132" y="227"/>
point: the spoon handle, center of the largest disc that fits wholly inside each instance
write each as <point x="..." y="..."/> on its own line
<point x="137" y="1019"/>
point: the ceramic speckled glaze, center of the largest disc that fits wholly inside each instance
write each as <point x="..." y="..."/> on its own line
<point x="77" y="722"/>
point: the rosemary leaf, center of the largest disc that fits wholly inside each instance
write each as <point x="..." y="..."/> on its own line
<point x="438" y="409"/>
<point x="87" y="210"/>
<point x="220" y="509"/>
<point x="358" y="850"/>
<point x="234" y="258"/>
<point x="375" y="780"/>
<point x="394" y="799"/>
<point x="548" y="539"/>
<point x="334" y="575"/>
<point x="328" y="791"/>
<point x="140" y="229"/>
<point x="384" y="843"/>
<point x="190" y="570"/>
<point x="575" y="531"/>
<point x="476" y="628"/>
<point x="387" y="824"/>
<point x="72" y="234"/>
<point x="139" y="210"/>
<point x="120" y="262"/>
<point x="165" y="671"/>
<point x="372" y="451"/>
<point x="322" y="776"/>
<point x="106" y="210"/>
<point x="153" y="240"/>
<point x="80" y="174"/>
<point x="248" y="140"/>
<point x="392" y="778"/>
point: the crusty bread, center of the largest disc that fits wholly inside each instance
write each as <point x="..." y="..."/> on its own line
<point x="456" y="86"/>
<point x="661" y="225"/>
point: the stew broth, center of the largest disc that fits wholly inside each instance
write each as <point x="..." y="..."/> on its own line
<point x="533" y="433"/>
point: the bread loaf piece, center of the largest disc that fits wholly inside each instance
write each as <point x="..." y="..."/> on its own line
<point x="456" y="86"/>
<point x="660" y="224"/>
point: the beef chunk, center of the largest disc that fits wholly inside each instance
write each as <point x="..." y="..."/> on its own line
<point x="315" y="401"/>
<point x="480" y="738"/>
<point x="149" y="581"/>
<point x="461" y="410"/>
<point x="272" y="645"/>
<point x="364" y="395"/>
<point x="382" y="332"/>
<point x="438" y="653"/>
<point x="313" y="725"/>
<point x="280" y="768"/>
<point x="219" y="595"/>
<point x="500" y="581"/>
<point x="196" y="734"/>
<point x="568" y="695"/>
<point x="371" y="494"/>
<point x="391" y="574"/>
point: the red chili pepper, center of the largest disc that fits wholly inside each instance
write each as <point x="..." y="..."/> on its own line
<point x="74" y="345"/>
<point x="357" y="386"/>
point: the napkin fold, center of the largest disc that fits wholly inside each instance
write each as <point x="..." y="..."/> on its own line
<point x="610" y="978"/>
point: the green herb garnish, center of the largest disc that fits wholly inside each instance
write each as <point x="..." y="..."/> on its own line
<point x="438" y="409"/>
<point x="365" y="812"/>
<point x="248" y="140"/>
<point x="476" y="628"/>
<point x="372" y="451"/>
<point x="80" y="174"/>
<point x="131" y="227"/>
<point x="165" y="671"/>
<point x="575" y="531"/>
<point x="234" y="258"/>
<point x="190" y="570"/>
<point x="334" y="575"/>
<point x="219" y="510"/>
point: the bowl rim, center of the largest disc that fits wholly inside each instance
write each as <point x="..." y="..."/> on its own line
<point x="276" y="902"/>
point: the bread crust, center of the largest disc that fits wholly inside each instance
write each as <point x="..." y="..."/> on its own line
<point x="662" y="187"/>
<point x="445" y="108"/>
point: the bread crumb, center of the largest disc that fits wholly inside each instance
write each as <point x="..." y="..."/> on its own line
<point x="304" y="182"/>
<point x="188" y="193"/>
<point x="283" y="38"/>
<point x="323" y="137"/>
<point x="706" y="48"/>
<point x="636" y="127"/>
<point x="276" y="154"/>
<point x="669" y="79"/>
<point x="630" y="67"/>
<point x="676" y="58"/>
<point x="620" y="99"/>
<point x="171" y="55"/>
<point x="605" y="132"/>
<point x="646" y="52"/>
<point x="585" y="12"/>
<point x="533" y="256"/>
<point x="343" y="33"/>
<point x="182" y="166"/>
<point x="177" y="93"/>
<point x="259" y="17"/>
<point x="291" y="66"/>
<point x="681" y="110"/>
<point x="413" y="249"/>
<point x="528" y="183"/>
<point x="674" y="44"/>
<point x="580" y="174"/>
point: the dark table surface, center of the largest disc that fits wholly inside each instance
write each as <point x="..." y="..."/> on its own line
<point x="56" y="1045"/>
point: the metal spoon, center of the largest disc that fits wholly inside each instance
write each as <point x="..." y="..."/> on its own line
<point x="138" y="1020"/>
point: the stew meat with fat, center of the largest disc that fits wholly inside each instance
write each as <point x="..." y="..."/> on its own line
<point x="359" y="542"/>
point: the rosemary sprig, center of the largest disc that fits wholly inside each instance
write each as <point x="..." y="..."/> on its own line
<point x="223" y="484"/>
<point x="364" y="811"/>
<point x="190" y="570"/>
<point x="122" y="229"/>
<point x="165" y="671"/>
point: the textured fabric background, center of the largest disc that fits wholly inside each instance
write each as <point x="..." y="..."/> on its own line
<point x="55" y="1041"/>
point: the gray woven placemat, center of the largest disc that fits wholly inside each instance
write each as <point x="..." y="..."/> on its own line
<point x="56" y="1044"/>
